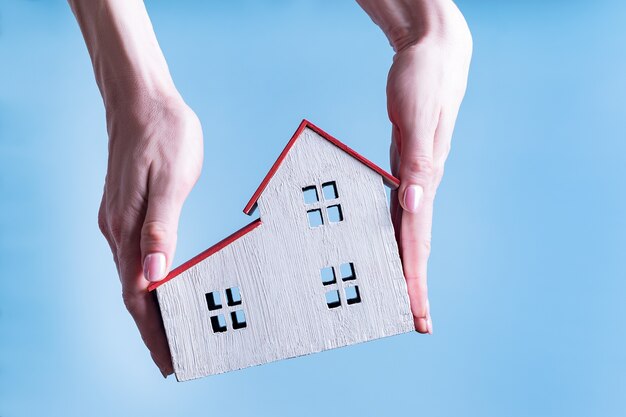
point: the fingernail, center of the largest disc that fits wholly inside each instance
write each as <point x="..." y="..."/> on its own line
<point x="421" y="324"/>
<point x="429" y="320"/>
<point x="412" y="196"/>
<point x="154" y="267"/>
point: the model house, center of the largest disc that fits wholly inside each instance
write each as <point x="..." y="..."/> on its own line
<point x="319" y="269"/>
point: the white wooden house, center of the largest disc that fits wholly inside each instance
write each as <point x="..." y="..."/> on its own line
<point x="318" y="270"/>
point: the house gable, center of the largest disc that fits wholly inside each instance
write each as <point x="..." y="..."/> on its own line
<point x="388" y="179"/>
<point x="318" y="167"/>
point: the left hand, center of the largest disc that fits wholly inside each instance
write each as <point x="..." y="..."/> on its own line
<point x="425" y="87"/>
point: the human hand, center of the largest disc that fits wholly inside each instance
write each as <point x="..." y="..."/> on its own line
<point x="155" y="155"/>
<point x="155" y="158"/>
<point x="425" y="87"/>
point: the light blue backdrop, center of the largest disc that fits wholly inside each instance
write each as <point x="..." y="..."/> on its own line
<point x="527" y="274"/>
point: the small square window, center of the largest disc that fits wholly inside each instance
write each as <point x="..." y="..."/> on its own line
<point x="353" y="295"/>
<point x="329" y="189"/>
<point x="347" y="271"/>
<point x="218" y="323"/>
<point x="233" y="296"/>
<point x="332" y="299"/>
<point x="213" y="300"/>
<point x="328" y="275"/>
<point x="310" y="194"/>
<point x="334" y="213"/>
<point x="315" y="217"/>
<point x="239" y="319"/>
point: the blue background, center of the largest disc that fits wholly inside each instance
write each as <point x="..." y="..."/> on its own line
<point x="527" y="276"/>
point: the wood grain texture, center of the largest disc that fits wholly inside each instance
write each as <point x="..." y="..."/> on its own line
<point x="277" y="268"/>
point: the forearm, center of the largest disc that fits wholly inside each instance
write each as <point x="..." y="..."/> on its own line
<point x="124" y="51"/>
<point x="407" y="22"/>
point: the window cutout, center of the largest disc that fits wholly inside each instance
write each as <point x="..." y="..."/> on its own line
<point x="334" y="213"/>
<point x="310" y="194"/>
<point x="233" y="296"/>
<point x="328" y="275"/>
<point x="332" y="299"/>
<point x="329" y="189"/>
<point x="239" y="319"/>
<point x="213" y="300"/>
<point x="315" y="217"/>
<point x="218" y="323"/>
<point x="353" y="295"/>
<point x="347" y="271"/>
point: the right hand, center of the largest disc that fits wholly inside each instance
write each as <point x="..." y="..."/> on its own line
<point x="155" y="158"/>
<point x="425" y="88"/>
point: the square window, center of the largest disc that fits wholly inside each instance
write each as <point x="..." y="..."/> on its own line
<point x="310" y="194"/>
<point x="328" y="275"/>
<point x="332" y="299"/>
<point x="347" y="271"/>
<point x="213" y="300"/>
<point x="329" y="189"/>
<point x="233" y="296"/>
<point x="218" y="323"/>
<point x="239" y="319"/>
<point x="334" y="213"/>
<point x="315" y="217"/>
<point x="353" y="295"/>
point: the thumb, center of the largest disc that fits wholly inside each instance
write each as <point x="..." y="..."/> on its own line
<point x="159" y="233"/>
<point x="416" y="170"/>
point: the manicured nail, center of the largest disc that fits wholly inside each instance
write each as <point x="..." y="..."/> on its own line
<point x="154" y="267"/>
<point x="421" y="324"/>
<point x="412" y="197"/>
<point x="429" y="320"/>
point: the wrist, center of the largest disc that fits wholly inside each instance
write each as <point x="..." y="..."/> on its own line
<point x="128" y="89"/>
<point x="126" y="57"/>
<point x="130" y="66"/>
<point x="410" y="22"/>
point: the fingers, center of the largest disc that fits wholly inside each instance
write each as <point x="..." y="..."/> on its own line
<point x="415" y="238"/>
<point x="144" y="309"/>
<point x="143" y="246"/>
<point x="140" y="303"/>
<point x="419" y="176"/>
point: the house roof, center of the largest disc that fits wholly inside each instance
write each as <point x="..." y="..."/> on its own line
<point x="202" y="256"/>
<point x="388" y="179"/>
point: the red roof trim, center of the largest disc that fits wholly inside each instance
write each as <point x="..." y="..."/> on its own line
<point x="388" y="179"/>
<point x="210" y="251"/>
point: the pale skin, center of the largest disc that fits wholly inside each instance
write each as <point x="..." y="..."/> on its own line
<point x="155" y="140"/>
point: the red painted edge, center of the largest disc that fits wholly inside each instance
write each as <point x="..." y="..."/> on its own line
<point x="210" y="251"/>
<point x="388" y="179"/>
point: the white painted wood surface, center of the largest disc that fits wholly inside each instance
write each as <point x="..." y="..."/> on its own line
<point x="277" y="269"/>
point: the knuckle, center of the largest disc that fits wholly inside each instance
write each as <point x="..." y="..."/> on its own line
<point x="131" y="303"/>
<point x="102" y="218"/>
<point x="154" y="232"/>
<point x="438" y="174"/>
<point x="116" y="228"/>
<point x="186" y="182"/>
<point x="447" y="147"/>
<point x="424" y="245"/>
<point x="102" y="223"/>
<point x="422" y="166"/>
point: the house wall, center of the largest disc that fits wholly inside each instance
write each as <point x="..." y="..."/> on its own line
<point x="277" y="267"/>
